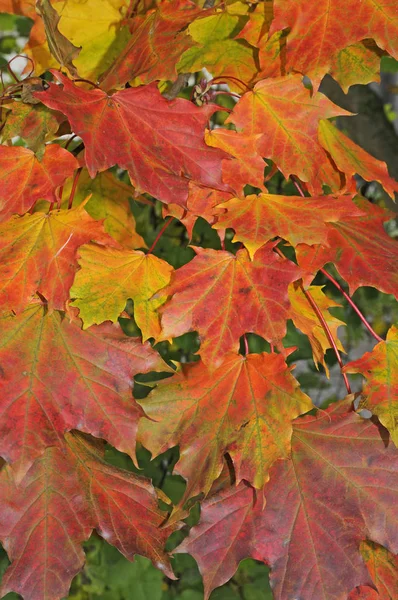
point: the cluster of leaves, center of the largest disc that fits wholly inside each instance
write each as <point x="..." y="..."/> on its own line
<point x="99" y="123"/>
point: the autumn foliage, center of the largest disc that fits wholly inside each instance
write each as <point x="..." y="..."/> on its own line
<point x="311" y="493"/>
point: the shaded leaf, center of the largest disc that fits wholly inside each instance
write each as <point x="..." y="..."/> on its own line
<point x="160" y="143"/>
<point x="25" y="179"/>
<point x="223" y="296"/>
<point x="307" y="321"/>
<point x="60" y="47"/>
<point x="56" y="377"/>
<point x="245" y="408"/>
<point x="109" y="200"/>
<point x="352" y="159"/>
<point x="380" y="393"/>
<point x="155" y="46"/>
<point x="338" y="489"/>
<point x="108" y="277"/>
<point x="357" y="64"/>
<point x="32" y="123"/>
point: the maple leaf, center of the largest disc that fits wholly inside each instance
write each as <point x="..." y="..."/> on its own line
<point x="283" y="111"/>
<point x="26" y="179"/>
<point x="257" y="219"/>
<point x="307" y="321"/>
<point x="155" y="46"/>
<point x="383" y="568"/>
<point x="270" y="48"/>
<point x="245" y="408"/>
<point x="360" y="249"/>
<point x="337" y="490"/>
<point x="223" y="296"/>
<point x="93" y="25"/>
<point x="216" y="51"/>
<point x="352" y="159"/>
<point x="201" y="202"/>
<point x="248" y="166"/>
<point x="160" y="143"/>
<point x="380" y="394"/>
<point x="32" y="123"/>
<point x="108" y="277"/>
<point x="39" y="255"/>
<point x="60" y="47"/>
<point x="317" y="33"/>
<point x="359" y="63"/>
<point x="64" y="495"/>
<point x="56" y="377"/>
<point x="108" y="200"/>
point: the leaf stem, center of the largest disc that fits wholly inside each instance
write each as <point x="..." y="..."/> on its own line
<point x="74" y="186"/>
<point x="327" y="331"/>
<point x="353" y="305"/>
<point x="159" y="235"/>
<point x="297" y="186"/>
<point x="246" y="342"/>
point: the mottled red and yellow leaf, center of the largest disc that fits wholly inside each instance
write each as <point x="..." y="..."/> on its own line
<point x="108" y="277"/>
<point x="380" y="393"/>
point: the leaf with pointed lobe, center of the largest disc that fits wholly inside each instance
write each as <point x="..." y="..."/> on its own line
<point x="124" y="507"/>
<point x="109" y="200"/>
<point x="43" y="522"/>
<point x="33" y="123"/>
<point x="383" y="568"/>
<point x="201" y="202"/>
<point x="94" y="25"/>
<point x="317" y="33"/>
<point x="307" y="321"/>
<point x="256" y="219"/>
<point x="64" y="495"/>
<point x="56" y="377"/>
<point x="271" y="49"/>
<point x="60" y="47"/>
<point x="247" y="167"/>
<point x="216" y="47"/>
<point x="160" y="143"/>
<point x="156" y="44"/>
<point x="223" y="296"/>
<point x="26" y="179"/>
<point x="286" y="116"/>
<point x="360" y="248"/>
<point x="108" y="277"/>
<point x="357" y="64"/>
<point x="380" y="393"/>
<point x="245" y="407"/>
<point x="38" y="253"/>
<point x="352" y="159"/>
<point x="337" y="489"/>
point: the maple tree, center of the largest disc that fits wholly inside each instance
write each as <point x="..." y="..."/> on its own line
<point x="133" y="118"/>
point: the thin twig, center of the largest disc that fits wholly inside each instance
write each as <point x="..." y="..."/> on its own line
<point x="159" y="235"/>
<point x="328" y="333"/>
<point x="246" y="342"/>
<point x="74" y="186"/>
<point x="353" y="305"/>
<point x="177" y="86"/>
